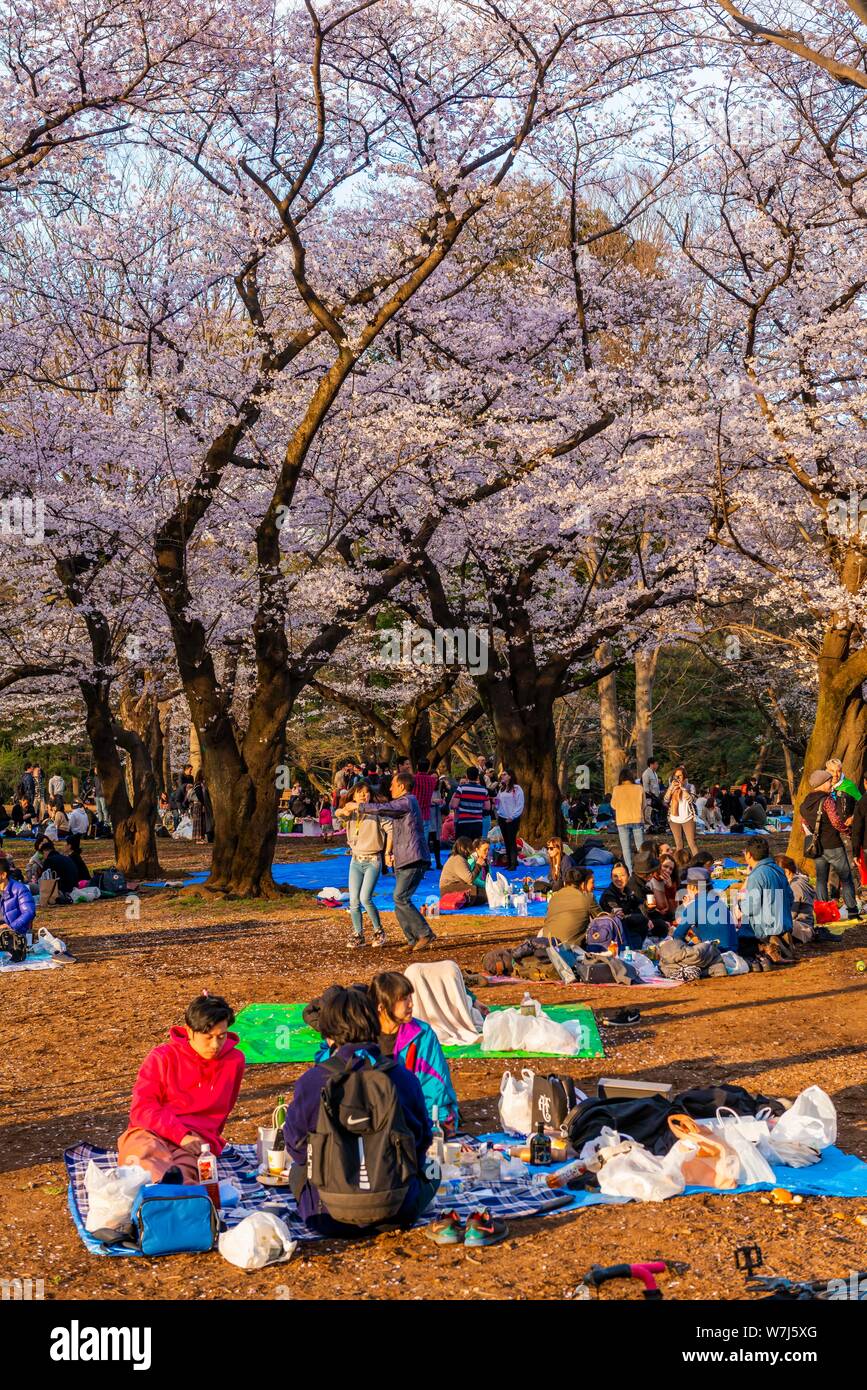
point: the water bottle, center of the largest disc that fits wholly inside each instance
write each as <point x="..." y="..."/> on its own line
<point x="438" y="1139"/>
<point x="207" y="1165"/>
<point x="528" y="1005"/>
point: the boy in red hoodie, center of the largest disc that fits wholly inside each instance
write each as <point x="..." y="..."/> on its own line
<point x="184" y="1093"/>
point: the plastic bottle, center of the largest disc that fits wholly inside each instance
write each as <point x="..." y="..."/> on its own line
<point x="528" y="1005"/>
<point x="207" y="1165"/>
<point x="561" y="1177"/>
<point x="437" y="1144"/>
<point x="489" y="1164"/>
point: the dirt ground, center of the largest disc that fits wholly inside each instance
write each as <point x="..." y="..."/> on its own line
<point x="75" y="1038"/>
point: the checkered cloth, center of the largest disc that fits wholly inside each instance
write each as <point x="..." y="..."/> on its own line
<point x="237" y="1163"/>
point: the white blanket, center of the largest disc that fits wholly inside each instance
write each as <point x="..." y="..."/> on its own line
<point x="442" y="1001"/>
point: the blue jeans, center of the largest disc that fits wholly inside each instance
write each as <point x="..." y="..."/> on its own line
<point x="362" y="881"/>
<point x="410" y="920"/>
<point x="637" y="832"/>
<point x="836" y="859"/>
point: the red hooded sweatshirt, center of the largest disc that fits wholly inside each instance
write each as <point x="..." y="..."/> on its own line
<point x="177" y="1092"/>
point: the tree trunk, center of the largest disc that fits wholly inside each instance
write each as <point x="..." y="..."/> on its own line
<point x="840" y="725"/>
<point x="761" y="757"/>
<point x="242" y="786"/>
<point x="790" y="771"/>
<point x="613" y="752"/>
<point x="165" y="718"/>
<point x="195" y="749"/>
<point x="133" y="819"/>
<point x="527" y="743"/>
<point x="645" y="674"/>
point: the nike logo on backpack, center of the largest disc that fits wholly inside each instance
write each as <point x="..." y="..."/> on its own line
<point x="362" y="1120"/>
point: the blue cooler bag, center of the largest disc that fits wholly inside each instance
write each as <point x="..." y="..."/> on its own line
<point x="174" y="1219"/>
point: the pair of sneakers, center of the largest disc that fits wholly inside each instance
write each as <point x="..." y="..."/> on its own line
<point x="480" y="1229"/>
<point x="358" y="941"/>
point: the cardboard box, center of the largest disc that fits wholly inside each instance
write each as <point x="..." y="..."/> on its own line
<point x="614" y="1088"/>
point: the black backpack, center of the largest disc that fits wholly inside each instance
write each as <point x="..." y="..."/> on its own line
<point x="15" y="943"/>
<point x="362" y="1155"/>
<point x="110" y="882"/>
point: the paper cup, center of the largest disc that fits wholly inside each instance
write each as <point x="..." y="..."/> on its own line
<point x="276" y="1160"/>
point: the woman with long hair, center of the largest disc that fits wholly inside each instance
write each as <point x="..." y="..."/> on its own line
<point x="368" y="841"/>
<point x="509" y="806"/>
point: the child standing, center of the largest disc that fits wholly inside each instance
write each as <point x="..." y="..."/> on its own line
<point x="326" y="818"/>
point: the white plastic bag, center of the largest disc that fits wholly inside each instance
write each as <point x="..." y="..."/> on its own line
<point x="332" y="895"/>
<point x="516" y="1102"/>
<point x="84" y="895"/>
<point x="508" y="1030"/>
<point x="606" y="1144"/>
<point x="260" y="1239"/>
<point x="49" y="942"/>
<point x="645" y="968"/>
<point x="735" y="964"/>
<point x="748" y="1137"/>
<point x="639" y="1174"/>
<point x="184" y="829"/>
<point x="110" y="1195"/>
<point x="496" y="888"/>
<point x="807" y="1127"/>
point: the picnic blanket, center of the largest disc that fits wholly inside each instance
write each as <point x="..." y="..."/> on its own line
<point x="271" y="1033"/>
<point x="658" y="982"/>
<point x="237" y="1163"/>
<point x="838" y="1175"/>
<point x="38" y="958"/>
<point x="333" y="872"/>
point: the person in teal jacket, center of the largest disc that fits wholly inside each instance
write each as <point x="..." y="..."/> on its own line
<point x="414" y="1043"/>
<point x="766" y="905"/>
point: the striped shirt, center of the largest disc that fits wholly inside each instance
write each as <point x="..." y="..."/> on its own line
<point x="425" y="786"/>
<point x="471" y="803"/>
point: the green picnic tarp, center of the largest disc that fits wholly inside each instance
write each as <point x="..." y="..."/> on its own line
<point x="277" y="1033"/>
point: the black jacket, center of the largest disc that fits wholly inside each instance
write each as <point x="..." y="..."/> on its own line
<point x="828" y="838"/>
<point x="626" y="899"/>
<point x="859" y="826"/>
<point x="66" y="869"/>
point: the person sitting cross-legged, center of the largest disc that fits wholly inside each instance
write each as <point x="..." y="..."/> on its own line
<point x="370" y="1170"/>
<point x="184" y="1093"/>
<point x="704" y="914"/>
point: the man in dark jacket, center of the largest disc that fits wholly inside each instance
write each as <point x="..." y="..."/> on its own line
<point x="27" y="786"/>
<point x="348" y="1021"/>
<point x="410" y="852"/>
<point x="817" y="814"/>
<point x="62" y="866"/>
